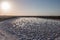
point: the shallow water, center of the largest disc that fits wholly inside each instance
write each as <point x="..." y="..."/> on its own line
<point x="30" y="29"/>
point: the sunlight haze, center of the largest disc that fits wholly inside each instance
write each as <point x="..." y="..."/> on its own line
<point x="30" y="7"/>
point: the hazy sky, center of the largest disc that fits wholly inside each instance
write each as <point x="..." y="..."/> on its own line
<point x="35" y="7"/>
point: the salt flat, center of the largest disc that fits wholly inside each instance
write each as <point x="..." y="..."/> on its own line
<point x="30" y="28"/>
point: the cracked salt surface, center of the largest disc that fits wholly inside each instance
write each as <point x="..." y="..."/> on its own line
<point x="30" y="29"/>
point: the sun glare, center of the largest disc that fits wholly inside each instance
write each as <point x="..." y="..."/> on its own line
<point x="5" y="6"/>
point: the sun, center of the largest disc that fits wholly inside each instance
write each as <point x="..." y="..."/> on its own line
<point x="5" y="6"/>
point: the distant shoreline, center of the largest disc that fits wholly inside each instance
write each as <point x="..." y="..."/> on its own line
<point x="45" y="17"/>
